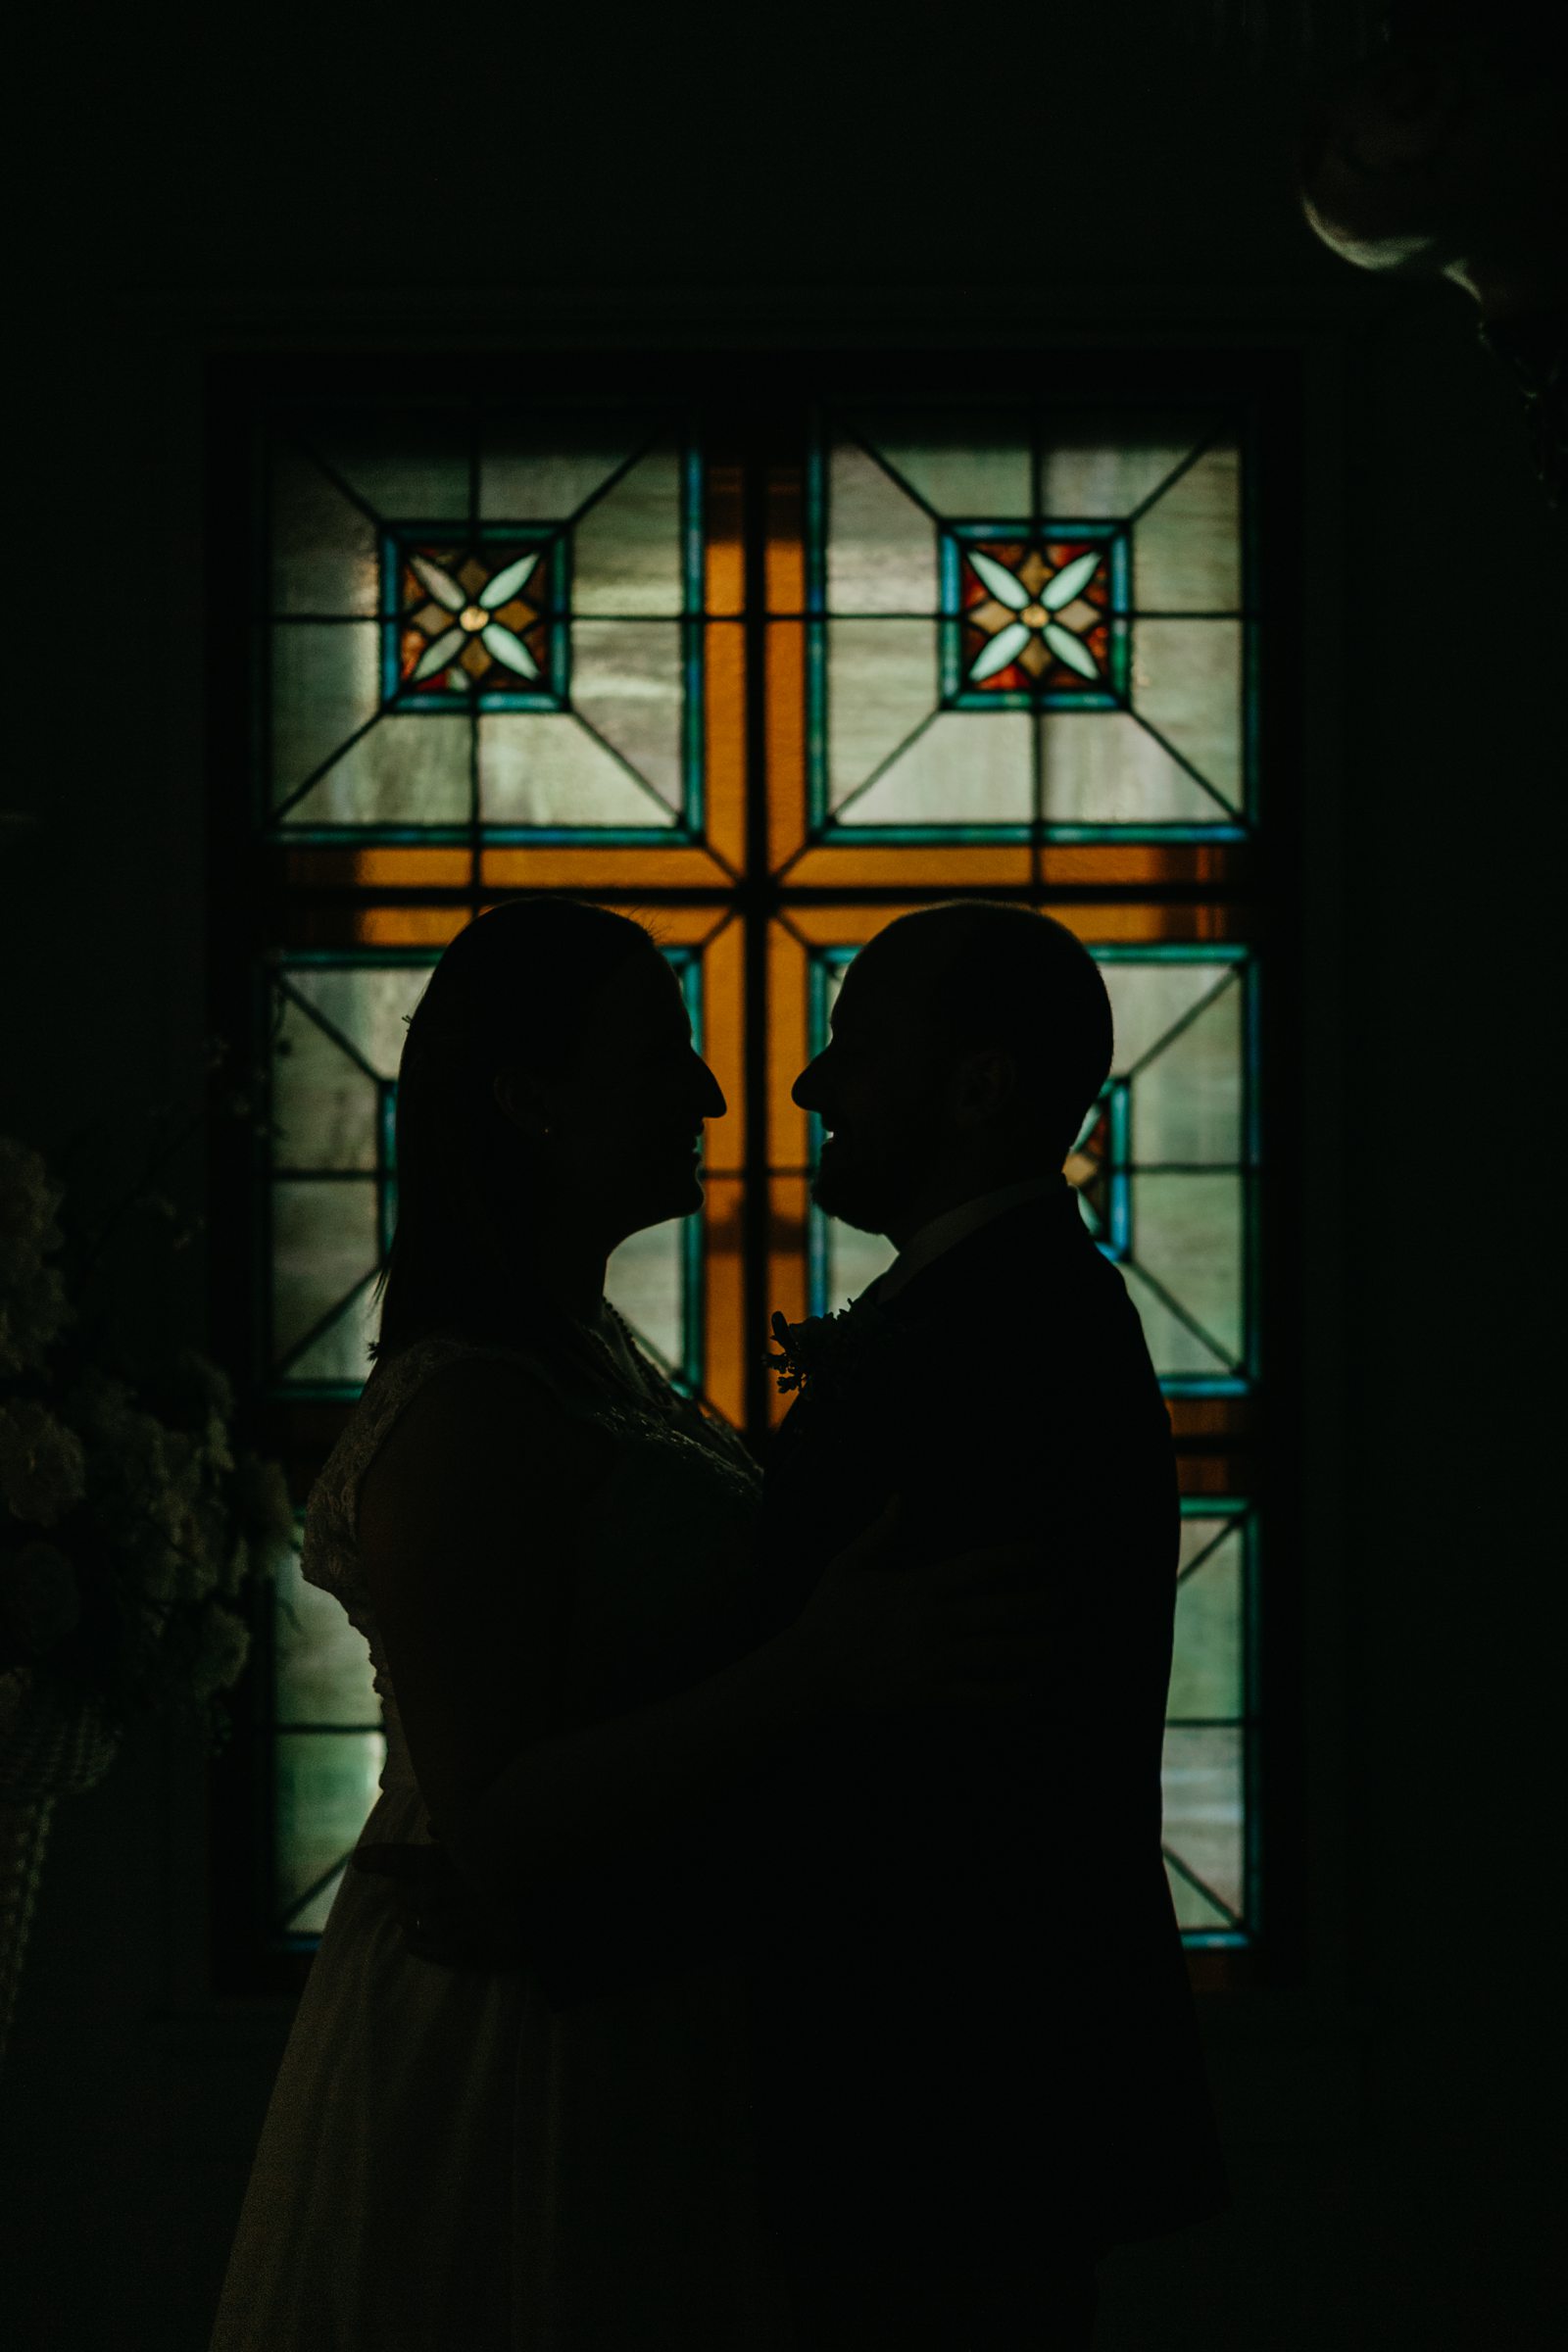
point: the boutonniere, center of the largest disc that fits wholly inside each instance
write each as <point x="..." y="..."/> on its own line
<point x="822" y="1347"/>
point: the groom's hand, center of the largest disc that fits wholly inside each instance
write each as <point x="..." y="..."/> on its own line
<point x="441" y="1916"/>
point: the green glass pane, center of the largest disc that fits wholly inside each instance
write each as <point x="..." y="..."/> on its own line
<point x="365" y="1004"/>
<point x="1187" y="546"/>
<point x="1102" y="469"/>
<point x="312" y="1917"/>
<point x="1149" y="1000"/>
<point x="324" y="1786"/>
<point x="324" y="1241"/>
<point x="1195" y="1911"/>
<point x="1187" y="1101"/>
<point x="545" y="769"/>
<point x="1204" y="1821"/>
<point x="966" y="464"/>
<point x="1174" y="1348"/>
<point x="324" y="1108"/>
<point x="340" y="1353"/>
<point x="405" y="772"/>
<point x="1187" y="1236"/>
<point x="322" y="1665"/>
<point x="963" y="769"/>
<point x="324" y="689"/>
<point x="1187" y="684"/>
<point x="324" y="554"/>
<point x="405" y="466"/>
<point x="626" y="551"/>
<point x="541" y="467"/>
<point x="853" y="1260"/>
<point x="1100" y="768"/>
<point x="1207" y="1669"/>
<point x="628" y="683"/>
<point x="881" y="685"/>
<point x="646" y="1280"/>
<point x="881" y="543"/>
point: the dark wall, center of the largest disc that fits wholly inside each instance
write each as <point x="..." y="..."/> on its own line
<point x="829" y="176"/>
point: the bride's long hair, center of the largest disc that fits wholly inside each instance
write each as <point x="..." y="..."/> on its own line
<point x="513" y="989"/>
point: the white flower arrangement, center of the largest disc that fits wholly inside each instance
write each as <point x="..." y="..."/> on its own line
<point x="130" y="1526"/>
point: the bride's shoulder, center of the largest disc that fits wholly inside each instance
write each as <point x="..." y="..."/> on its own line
<point x="480" y="1412"/>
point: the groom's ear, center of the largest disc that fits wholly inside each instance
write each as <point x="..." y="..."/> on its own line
<point x="984" y="1082"/>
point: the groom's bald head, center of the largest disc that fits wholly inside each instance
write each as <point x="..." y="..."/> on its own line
<point x="978" y="973"/>
<point x="967" y="1042"/>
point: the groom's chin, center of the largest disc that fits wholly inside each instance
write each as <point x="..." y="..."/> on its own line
<point x="841" y="1202"/>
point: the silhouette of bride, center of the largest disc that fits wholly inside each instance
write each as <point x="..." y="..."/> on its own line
<point x="554" y="1558"/>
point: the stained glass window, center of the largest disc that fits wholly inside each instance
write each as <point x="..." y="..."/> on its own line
<point x="768" y="670"/>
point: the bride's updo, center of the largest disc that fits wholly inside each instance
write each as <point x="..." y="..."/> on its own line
<point x="513" y="989"/>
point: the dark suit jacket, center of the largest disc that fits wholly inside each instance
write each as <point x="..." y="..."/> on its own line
<point x="972" y="2013"/>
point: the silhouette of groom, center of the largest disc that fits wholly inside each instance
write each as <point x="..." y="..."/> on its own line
<point x="977" y="2062"/>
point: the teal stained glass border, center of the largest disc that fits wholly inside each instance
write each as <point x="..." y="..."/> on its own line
<point x="271" y="989"/>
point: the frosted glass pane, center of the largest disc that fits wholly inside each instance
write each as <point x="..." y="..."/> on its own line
<point x="1100" y="768"/>
<point x="1187" y="1234"/>
<point x="853" y="1260"/>
<point x="881" y="544"/>
<point x="541" y="768"/>
<point x="1207" y="1669"/>
<point x="1186" y="1102"/>
<point x="405" y="466"/>
<point x="1148" y="1000"/>
<point x="322" y="1665"/>
<point x="1187" y="549"/>
<point x="405" y="771"/>
<point x="326" y="1786"/>
<point x="1192" y="1910"/>
<point x="1187" y="682"/>
<point x="537" y="469"/>
<point x="324" y="1104"/>
<point x="1093" y="471"/>
<point x="365" y="1004"/>
<point x="340" y="1353"/>
<point x="312" y="1917"/>
<point x="881" y="683"/>
<point x="1174" y="1348"/>
<point x="644" y="1280"/>
<point x="326" y="685"/>
<point x="628" y="682"/>
<point x="325" y="553"/>
<point x="324" y="1242"/>
<point x="969" y="466"/>
<point x="1203" y="1823"/>
<point x="626" y="551"/>
<point x="963" y="770"/>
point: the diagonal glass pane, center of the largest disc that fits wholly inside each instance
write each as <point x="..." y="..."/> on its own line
<point x="502" y="645"/>
<point x="1003" y="585"/>
<point x="1070" y="648"/>
<point x="507" y="582"/>
<point x="1070" y="581"/>
<point x="1004" y="647"/>
<point x="442" y="586"/>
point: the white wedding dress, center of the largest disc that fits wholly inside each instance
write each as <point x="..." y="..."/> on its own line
<point x="447" y="2164"/>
